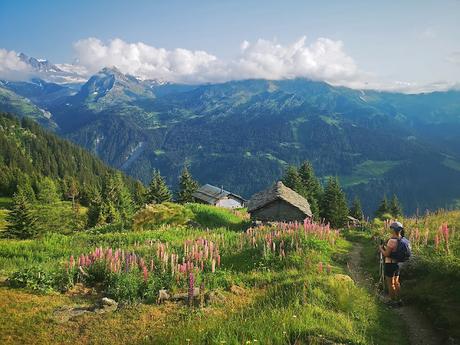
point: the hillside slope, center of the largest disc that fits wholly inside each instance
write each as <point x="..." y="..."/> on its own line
<point x="27" y="149"/>
<point x="242" y="134"/>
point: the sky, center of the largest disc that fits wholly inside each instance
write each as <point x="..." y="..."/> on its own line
<point x="402" y="45"/>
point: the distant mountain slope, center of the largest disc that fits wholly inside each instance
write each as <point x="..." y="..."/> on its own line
<point x="242" y="134"/>
<point x="11" y="102"/>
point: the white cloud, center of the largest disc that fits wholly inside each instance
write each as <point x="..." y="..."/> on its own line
<point x="324" y="59"/>
<point x="12" y="67"/>
<point x="142" y="60"/>
<point x="454" y="58"/>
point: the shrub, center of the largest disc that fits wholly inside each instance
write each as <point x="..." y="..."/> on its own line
<point x="33" y="278"/>
<point x="153" y="215"/>
<point x="126" y="287"/>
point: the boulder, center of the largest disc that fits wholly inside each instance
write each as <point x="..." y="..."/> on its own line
<point x="163" y="295"/>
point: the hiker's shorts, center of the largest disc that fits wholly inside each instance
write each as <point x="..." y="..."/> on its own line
<point x="391" y="270"/>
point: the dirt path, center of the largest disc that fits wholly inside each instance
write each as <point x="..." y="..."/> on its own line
<point x="419" y="328"/>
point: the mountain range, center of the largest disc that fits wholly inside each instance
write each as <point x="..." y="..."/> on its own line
<point x="243" y="134"/>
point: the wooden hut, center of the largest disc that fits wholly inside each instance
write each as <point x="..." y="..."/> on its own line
<point x="208" y="194"/>
<point x="279" y="203"/>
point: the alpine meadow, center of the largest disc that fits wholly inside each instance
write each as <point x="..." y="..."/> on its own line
<point x="201" y="172"/>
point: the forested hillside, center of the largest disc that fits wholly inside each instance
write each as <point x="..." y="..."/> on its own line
<point x="26" y="149"/>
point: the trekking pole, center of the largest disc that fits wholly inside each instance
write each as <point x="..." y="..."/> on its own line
<point x="381" y="269"/>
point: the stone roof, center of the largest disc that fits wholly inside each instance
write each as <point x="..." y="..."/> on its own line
<point x="211" y="194"/>
<point x="279" y="191"/>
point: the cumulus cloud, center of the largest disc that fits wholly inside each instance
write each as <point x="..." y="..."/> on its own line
<point x="323" y="59"/>
<point x="142" y="60"/>
<point x="12" y="67"/>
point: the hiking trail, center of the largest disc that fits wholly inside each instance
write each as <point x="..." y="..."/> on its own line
<point x="420" y="330"/>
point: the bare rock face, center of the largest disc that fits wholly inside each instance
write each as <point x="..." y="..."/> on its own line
<point x="106" y="305"/>
<point x="163" y="296"/>
<point x="66" y="313"/>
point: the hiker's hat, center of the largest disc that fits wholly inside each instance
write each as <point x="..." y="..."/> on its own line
<point x="396" y="226"/>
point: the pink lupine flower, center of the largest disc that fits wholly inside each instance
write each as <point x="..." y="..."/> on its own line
<point x="320" y="267"/>
<point x="213" y="265"/>
<point x="436" y="241"/>
<point x="191" y="288"/>
<point x="72" y="261"/>
<point x="329" y="268"/>
<point x="145" y="273"/>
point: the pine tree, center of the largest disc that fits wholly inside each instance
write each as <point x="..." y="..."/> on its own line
<point x="395" y="207"/>
<point x="21" y="221"/>
<point x="125" y="202"/>
<point x="96" y="214"/>
<point x="291" y="179"/>
<point x="311" y="186"/>
<point x="187" y="186"/>
<point x="334" y="208"/>
<point x="117" y="204"/>
<point x="24" y="182"/>
<point x="139" y="195"/>
<point x="47" y="191"/>
<point x="158" y="191"/>
<point x="383" y="208"/>
<point x="356" y="210"/>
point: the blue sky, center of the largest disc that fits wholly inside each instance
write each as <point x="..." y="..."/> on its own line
<point x="397" y="41"/>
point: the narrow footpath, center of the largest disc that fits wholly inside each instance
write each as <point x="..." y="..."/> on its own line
<point x="419" y="328"/>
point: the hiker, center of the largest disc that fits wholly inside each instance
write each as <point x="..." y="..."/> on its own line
<point x="396" y="251"/>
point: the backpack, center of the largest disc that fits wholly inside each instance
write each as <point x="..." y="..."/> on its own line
<point x="403" y="250"/>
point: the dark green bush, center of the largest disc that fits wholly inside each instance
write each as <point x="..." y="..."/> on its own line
<point x="33" y="278"/>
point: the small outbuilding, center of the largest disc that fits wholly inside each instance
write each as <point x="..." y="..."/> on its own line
<point x="279" y="203"/>
<point x="212" y="195"/>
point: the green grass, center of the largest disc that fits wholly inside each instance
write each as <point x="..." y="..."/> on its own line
<point x="365" y="171"/>
<point x="281" y="300"/>
<point x="214" y="217"/>
<point x="5" y="202"/>
<point x="3" y="222"/>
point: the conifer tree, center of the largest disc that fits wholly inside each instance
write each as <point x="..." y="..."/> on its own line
<point x="96" y="214"/>
<point x="395" y="207"/>
<point x="125" y="202"/>
<point x="117" y="204"/>
<point x="47" y="191"/>
<point x="139" y="194"/>
<point x="24" y="182"/>
<point x="187" y="186"/>
<point x="158" y="191"/>
<point x="334" y="207"/>
<point x="356" y="210"/>
<point x="21" y="221"/>
<point x="291" y="179"/>
<point x="383" y="208"/>
<point x="311" y="186"/>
